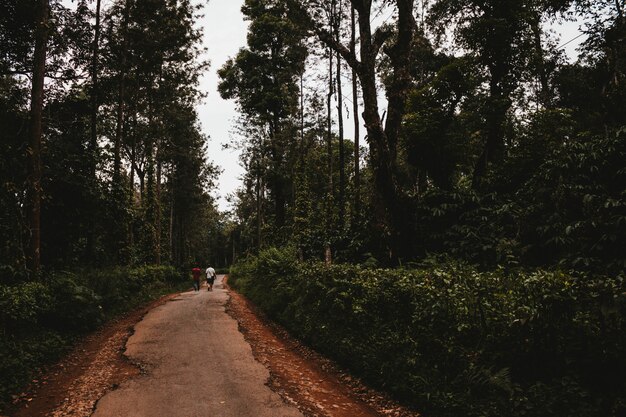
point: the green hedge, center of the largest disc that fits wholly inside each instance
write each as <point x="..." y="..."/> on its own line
<point x="451" y="341"/>
<point x="39" y="320"/>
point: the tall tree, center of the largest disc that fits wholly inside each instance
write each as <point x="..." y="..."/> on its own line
<point x="263" y="78"/>
<point x="342" y="168"/>
<point x="34" y="152"/>
<point x="93" y="137"/>
<point x="500" y="34"/>
<point x="355" y="116"/>
<point x="383" y="136"/>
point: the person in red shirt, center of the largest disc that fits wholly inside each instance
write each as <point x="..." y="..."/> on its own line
<point x="196" y="273"/>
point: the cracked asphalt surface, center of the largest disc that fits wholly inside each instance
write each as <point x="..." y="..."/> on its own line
<point x="195" y="363"/>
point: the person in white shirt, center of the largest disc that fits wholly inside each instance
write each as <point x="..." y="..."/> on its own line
<point x="210" y="278"/>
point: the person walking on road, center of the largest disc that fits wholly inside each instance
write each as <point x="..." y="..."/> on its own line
<point x="196" y="273"/>
<point x="210" y="278"/>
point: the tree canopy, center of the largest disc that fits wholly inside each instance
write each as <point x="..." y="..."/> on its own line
<point x="481" y="105"/>
<point x="119" y="164"/>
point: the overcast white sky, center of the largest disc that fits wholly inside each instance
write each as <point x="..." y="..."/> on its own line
<point x="224" y="33"/>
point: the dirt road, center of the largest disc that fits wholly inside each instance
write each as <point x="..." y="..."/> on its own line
<point x="200" y="354"/>
<point x="191" y="338"/>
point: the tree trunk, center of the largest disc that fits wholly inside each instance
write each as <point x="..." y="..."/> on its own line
<point x="157" y="214"/>
<point x="498" y="102"/>
<point x="121" y="92"/>
<point x="258" y="206"/>
<point x="329" y="164"/>
<point x="399" y="54"/>
<point x="329" y="123"/>
<point x="342" y="167"/>
<point x="394" y="226"/>
<point x="93" y="143"/>
<point x="34" y="154"/>
<point x="171" y="230"/>
<point x="544" y="96"/>
<point x="275" y="178"/>
<point x="383" y="141"/>
<point x="498" y="105"/>
<point x="93" y="137"/>
<point x="355" y="111"/>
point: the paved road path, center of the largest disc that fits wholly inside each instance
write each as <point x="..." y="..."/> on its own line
<point x="197" y="365"/>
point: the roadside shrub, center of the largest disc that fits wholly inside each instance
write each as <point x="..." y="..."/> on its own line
<point x="122" y="288"/>
<point x="76" y="307"/>
<point x="453" y="341"/>
<point x="270" y="267"/>
<point x="40" y="320"/>
<point x="23" y="305"/>
<point x="22" y="355"/>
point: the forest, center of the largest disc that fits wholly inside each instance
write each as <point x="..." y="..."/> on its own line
<point x="463" y="248"/>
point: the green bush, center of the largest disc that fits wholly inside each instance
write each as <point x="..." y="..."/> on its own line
<point x="39" y="320"/>
<point x="452" y="341"/>
<point x="122" y="288"/>
<point x="23" y="305"/>
<point x="22" y="355"/>
<point x="76" y="307"/>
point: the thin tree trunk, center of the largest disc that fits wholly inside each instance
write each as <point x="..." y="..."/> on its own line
<point x="342" y="167"/>
<point x="157" y="214"/>
<point x="303" y="147"/>
<point x="497" y="107"/>
<point x="329" y="120"/>
<point x="133" y="155"/>
<point x="93" y="143"/>
<point x="544" y="93"/>
<point x="258" y="205"/>
<point x="171" y="231"/>
<point x="355" y="111"/>
<point x="498" y="103"/>
<point x="131" y="183"/>
<point x="276" y="180"/>
<point x="302" y="109"/>
<point x="93" y="137"/>
<point x="329" y="139"/>
<point x="119" y="129"/>
<point x="34" y="155"/>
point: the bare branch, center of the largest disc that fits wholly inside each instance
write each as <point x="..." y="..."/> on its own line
<point x="307" y="20"/>
<point x="380" y="37"/>
<point x="344" y="51"/>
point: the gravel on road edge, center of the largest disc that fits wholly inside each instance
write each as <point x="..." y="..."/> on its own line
<point x="94" y="366"/>
<point x="302" y="376"/>
<point x="298" y="374"/>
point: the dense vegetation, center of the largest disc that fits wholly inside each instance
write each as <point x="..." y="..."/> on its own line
<point x="493" y="152"/>
<point x="493" y="181"/>
<point x="121" y="170"/>
<point x="494" y="146"/>
<point x="40" y="319"/>
<point x="450" y="340"/>
<point x="103" y="168"/>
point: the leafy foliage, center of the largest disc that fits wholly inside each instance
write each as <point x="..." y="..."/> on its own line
<point x="454" y="341"/>
<point x="567" y="211"/>
<point x="39" y="320"/>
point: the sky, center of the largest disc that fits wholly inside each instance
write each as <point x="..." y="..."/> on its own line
<point x="224" y="34"/>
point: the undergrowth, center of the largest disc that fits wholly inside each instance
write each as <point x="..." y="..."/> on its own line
<point x="40" y="320"/>
<point x="450" y="340"/>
